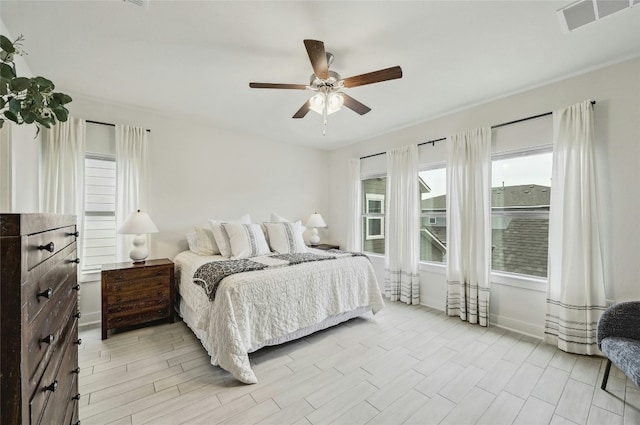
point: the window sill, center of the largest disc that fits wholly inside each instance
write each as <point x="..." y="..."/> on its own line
<point x="433" y="267"/>
<point x="531" y="283"/>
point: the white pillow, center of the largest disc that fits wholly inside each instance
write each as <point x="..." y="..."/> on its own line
<point x="246" y="240"/>
<point x="192" y="242"/>
<point x="275" y="218"/>
<point x="220" y="235"/>
<point x="286" y="237"/>
<point x="205" y="242"/>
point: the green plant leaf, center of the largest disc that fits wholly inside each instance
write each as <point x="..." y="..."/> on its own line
<point x="6" y="44"/>
<point x="61" y="113"/>
<point x="20" y="83"/>
<point x="44" y="83"/>
<point x="14" y="105"/>
<point x="11" y="116"/>
<point x="62" y="98"/>
<point x="1" y="122"/>
<point x="2" y="102"/>
<point x="29" y="117"/>
<point x="7" y="71"/>
<point x="43" y="121"/>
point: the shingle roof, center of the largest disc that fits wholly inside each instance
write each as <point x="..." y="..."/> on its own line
<point x="519" y="244"/>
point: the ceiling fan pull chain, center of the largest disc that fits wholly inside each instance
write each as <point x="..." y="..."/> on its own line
<point x="324" y="114"/>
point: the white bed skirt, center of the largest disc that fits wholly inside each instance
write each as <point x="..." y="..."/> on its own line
<point x="189" y="318"/>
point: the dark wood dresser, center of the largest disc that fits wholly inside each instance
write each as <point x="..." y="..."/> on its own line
<point x="38" y="319"/>
<point x="136" y="293"/>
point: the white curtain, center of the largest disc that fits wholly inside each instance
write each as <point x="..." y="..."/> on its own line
<point x="131" y="180"/>
<point x="576" y="294"/>
<point x="63" y="170"/>
<point x="469" y="225"/>
<point x="402" y="238"/>
<point x="354" y="226"/>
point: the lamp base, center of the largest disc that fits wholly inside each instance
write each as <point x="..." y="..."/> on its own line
<point x="314" y="239"/>
<point x="139" y="253"/>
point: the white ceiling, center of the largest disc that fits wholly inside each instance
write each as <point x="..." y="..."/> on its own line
<point x="196" y="59"/>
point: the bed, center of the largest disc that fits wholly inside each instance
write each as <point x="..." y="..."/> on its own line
<point x="274" y="305"/>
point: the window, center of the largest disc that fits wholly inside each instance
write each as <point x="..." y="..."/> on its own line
<point x="374" y="226"/>
<point x="433" y="221"/>
<point x="520" y="194"/>
<point x="99" y="239"/>
<point x="374" y="191"/>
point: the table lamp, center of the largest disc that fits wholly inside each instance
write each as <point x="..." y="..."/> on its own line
<point x="139" y="224"/>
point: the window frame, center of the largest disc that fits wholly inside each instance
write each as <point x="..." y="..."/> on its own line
<point x="92" y="273"/>
<point x="512" y="278"/>
<point x="435" y="214"/>
<point x="376" y="216"/>
<point x="366" y="217"/>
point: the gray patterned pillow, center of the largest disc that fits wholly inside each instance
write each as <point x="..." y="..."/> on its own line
<point x="286" y="237"/>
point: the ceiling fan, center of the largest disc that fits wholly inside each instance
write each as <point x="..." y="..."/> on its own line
<point x="329" y="85"/>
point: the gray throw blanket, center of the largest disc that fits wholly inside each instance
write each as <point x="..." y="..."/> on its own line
<point x="209" y="275"/>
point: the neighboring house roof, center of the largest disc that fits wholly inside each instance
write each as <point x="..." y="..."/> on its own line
<point x="520" y="244"/>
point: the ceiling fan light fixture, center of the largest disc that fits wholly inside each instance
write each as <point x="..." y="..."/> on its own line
<point x="332" y="100"/>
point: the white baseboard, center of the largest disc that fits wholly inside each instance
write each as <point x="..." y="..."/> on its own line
<point x="88" y="319"/>
<point x="519" y="326"/>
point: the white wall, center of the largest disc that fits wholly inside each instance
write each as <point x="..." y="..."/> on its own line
<point x="616" y="89"/>
<point x="198" y="171"/>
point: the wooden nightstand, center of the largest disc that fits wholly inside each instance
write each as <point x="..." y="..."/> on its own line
<point x="325" y="246"/>
<point x="134" y="294"/>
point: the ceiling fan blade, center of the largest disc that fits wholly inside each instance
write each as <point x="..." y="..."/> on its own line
<point x="354" y="105"/>
<point x="302" y="111"/>
<point x="277" y="86"/>
<point x="318" y="58"/>
<point x="373" y="77"/>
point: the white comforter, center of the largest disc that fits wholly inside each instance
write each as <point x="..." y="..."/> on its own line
<point x="255" y="307"/>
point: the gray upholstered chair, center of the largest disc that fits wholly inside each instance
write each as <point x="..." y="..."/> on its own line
<point x="618" y="337"/>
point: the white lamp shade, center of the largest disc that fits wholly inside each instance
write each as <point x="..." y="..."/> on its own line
<point x="316" y="220"/>
<point x="138" y="223"/>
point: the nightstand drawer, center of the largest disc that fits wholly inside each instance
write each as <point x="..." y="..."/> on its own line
<point x="126" y="287"/>
<point x="136" y="274"/>
<point x="157" y="312"/>
<point x="143" y="301"/>
<point x="156" y="292"/>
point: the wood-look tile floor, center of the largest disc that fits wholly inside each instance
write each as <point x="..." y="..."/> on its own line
<point x="406" y="365"/>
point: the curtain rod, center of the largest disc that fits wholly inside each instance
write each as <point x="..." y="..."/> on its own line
<point x="433" y="142"/>
<point x="107" y="123"/>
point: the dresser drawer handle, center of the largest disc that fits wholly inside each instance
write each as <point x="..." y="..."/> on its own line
<point x="76" y="287"/>
<point x="77" y="423"/>
<point x="79" y="341"/>
<point x="77" y="261"/>
<point x="76" y="397"/>
<point x="119" y="277"/>
<point x="119" y="319"/>
<point x="48" y="339"/>
<point x="78" y="315"/>
<point x="47" y="293"/>
<point x="76" y="370"/>
<point x="53" y="387"/>
<point x="48" y="247"/>
<point x="76" y="234"/>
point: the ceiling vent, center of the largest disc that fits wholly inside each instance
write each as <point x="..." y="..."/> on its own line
<point x="583" y="12"/>
<point x="145" y="3"/>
